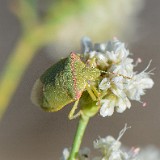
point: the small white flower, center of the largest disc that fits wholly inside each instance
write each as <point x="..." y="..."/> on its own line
<point x="65" y="155"/>
<point x="138" y="84"/>
<point x="105" y="84"/>
<point x="106" y="143"/>
<point x="92" y="54"/>
<point x="122" y="104"/>
<point x="116" y="51"/>
<point x="119" y="83"/>
<point x="124" y="67"/>
<point x="107" y="107"/>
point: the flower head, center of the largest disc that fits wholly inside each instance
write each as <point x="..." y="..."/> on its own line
<point x="111" y="148"/>
<point x="119" y="83"/>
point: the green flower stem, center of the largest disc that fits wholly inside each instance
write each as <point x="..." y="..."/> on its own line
<point x="78" y="137"/>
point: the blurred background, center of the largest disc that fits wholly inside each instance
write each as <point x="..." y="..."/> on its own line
<point x="33" y="36"/>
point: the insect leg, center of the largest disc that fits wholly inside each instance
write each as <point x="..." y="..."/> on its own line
<point x="71" y="113"/>
<point x="94" y="89"/>
<point x="89" y="90"/>
<point x="97" y="93"/>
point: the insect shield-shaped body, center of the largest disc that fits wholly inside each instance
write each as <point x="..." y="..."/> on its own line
<point x="63" y="83"/>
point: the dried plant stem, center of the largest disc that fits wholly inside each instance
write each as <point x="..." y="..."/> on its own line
<point x="78" y="137"/>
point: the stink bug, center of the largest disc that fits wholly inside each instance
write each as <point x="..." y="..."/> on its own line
<point x="63" y="83"/>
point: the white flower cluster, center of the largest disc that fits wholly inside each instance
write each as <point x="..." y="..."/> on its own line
<point x="119" y="82"/>
<point x="109" y="147"/>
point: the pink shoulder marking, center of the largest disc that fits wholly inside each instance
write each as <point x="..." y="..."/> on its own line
<point x="74" y="57"/>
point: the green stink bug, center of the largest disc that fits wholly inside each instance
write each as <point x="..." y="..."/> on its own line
<point x="63" y="83"/>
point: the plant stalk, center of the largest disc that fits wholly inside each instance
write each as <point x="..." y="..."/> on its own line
<point x="15" y="67"/>
<point x="78" y="137"/>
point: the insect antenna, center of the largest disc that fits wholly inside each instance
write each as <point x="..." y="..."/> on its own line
<point x="117" y="74"/>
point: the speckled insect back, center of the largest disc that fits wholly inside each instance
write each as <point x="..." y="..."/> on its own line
<point x="63" y="83"/>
